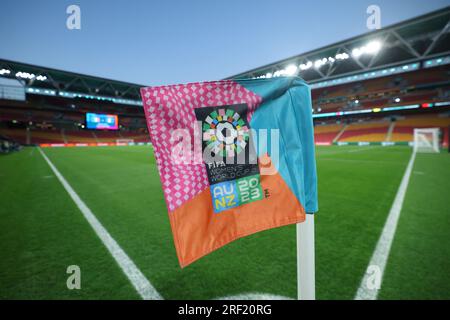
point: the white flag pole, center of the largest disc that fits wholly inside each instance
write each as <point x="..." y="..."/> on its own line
<point x="306" y="279"/>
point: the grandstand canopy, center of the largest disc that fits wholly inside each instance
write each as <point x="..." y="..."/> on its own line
<point x="417" y="40"/>
<point x="52" y="82"/>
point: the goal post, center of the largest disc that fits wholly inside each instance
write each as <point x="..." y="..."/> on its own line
<point x="426" y="140"/>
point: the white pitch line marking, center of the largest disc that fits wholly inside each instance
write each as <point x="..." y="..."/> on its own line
<point x="362" y="149"/>
<point x="136" y="277"/>
<point x="254" y="296"/>
<point x="381" y="253"/>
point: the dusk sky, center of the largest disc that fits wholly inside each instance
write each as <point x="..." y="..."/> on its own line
<point x="164" y="42"/>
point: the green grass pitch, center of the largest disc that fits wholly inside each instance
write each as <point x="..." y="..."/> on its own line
<point x="42" y="231"/>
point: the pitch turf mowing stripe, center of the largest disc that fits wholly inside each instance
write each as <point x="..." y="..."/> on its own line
<point x="356" y="191"/>
<point x="137" y="279"/>
<point x="121" y="185"/>
<point x="364" y="149"/>
<point x="381" y="253"/>
<point x="419" y="263"/>
<point x="43" y="232"/>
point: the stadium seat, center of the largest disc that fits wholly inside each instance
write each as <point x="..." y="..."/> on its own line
<point x="404" y="128"/>
<point x="18" y="135"/>
<point x="38" y="136"/>
<point x="365" y="132"/>
<point x="324" y="134"/>
<point x="107" y="136"/>
<point x="79" y="136"/>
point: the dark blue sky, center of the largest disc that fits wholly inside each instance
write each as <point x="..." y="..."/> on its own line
<point x="167" y="41"/>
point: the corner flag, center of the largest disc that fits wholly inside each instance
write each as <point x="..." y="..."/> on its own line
<point x="235" y="157"/>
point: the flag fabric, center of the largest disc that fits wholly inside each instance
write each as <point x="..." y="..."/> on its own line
<point x="235" y="157"/>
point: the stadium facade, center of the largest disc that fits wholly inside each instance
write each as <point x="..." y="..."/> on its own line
<point x="373" y="88"/>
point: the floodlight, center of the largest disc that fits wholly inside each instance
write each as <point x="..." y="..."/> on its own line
<point x="373" y="47"/>
<point x="291" y="70"/>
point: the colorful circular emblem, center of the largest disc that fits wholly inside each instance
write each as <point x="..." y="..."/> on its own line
<point x="225" y="132"/>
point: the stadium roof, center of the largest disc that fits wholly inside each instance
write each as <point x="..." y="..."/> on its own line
<point x="416" y="40"/>
<point x="53" y="82"/>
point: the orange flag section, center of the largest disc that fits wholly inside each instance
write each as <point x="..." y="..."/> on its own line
<point x="198" y="230"/>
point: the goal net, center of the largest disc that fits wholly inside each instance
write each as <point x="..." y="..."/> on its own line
<point x="426" y="140"/>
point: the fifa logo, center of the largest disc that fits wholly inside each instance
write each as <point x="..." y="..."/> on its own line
<point x="225" y="133"/>
<point x="229" y="156"/>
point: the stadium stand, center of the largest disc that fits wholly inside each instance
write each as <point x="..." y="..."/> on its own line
<point x="372" y="131"/>
<point x="404" y="126"/>
<point x="38" y="136"/>
<point x="377" y="130"/>
<point x="79" y="136"/>
<point x="107" y="136"/>
<point x="326" y="133"/>
<point x="395" y="86"/>
<point x="17" y="135"/>
<point x="414" y="87"/>
<point x="136" y="137"/>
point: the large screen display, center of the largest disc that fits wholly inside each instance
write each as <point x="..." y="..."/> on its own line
<point x="102" y="121"/>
